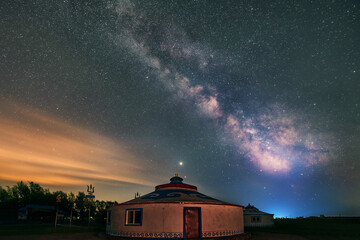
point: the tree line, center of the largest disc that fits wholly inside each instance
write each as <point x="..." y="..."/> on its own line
<point x="21" y="194"/>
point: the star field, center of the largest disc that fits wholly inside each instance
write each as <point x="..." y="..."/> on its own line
<point x="254" y="102"/>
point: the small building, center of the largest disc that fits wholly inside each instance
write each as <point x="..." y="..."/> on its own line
<point x="175" y="210"/>
<point x="255" y="218"/>
<point x="39" y="212"/>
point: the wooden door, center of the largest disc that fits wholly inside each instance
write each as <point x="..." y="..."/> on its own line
<point x="192" y="222"/>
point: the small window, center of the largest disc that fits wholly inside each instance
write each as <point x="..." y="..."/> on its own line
<point x="133" y="217"/>
<point x="108" y="217"/>
<point x="256" y="219"/>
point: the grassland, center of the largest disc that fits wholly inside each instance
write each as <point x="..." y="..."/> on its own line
<point x="35" y="229"/>
<point x="333" y="228"/>
<point x="285" y="229"/>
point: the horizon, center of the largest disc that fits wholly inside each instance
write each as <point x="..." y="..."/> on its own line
<point x="277" y="215"/>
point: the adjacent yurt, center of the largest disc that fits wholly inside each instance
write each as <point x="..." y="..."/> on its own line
<point x="175" y="210"/>
<point x="255" y="218"/>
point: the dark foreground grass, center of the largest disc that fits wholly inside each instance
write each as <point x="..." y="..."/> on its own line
<point x="314" y="226"/>
<point x="30" y="229"/>
<point x="323" y="227"/>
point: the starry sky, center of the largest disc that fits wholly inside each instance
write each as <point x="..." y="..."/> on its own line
<point x="252" y="101"/>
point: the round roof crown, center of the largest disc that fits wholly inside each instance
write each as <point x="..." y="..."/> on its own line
<point x="176" y="179"/>
<point x="176" y="183"/>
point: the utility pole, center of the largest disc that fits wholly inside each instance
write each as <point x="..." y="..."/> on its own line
<point x="72" y="200"/>
<point x="58" y="200"/>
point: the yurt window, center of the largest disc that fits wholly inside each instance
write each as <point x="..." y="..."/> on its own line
<point x="133" y="216"/>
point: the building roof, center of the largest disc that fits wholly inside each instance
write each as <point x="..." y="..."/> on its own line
<point x="251" y="210"/>
<point x="39" y="208"/>
<point x="33" y="206"/>
<point x="176" y="191"/>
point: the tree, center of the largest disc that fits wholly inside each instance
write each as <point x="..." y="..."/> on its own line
<point x="4" y="196"/>
<point x="9" y="204"/>
<point x="64" y="202"/>
<point x="21" y="194"/>
<point x="80" y="206"/>
<point x="23" y="190"/>
<point x="37" y="194"/>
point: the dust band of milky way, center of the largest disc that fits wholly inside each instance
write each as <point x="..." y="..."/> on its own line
<point x="274" y="138"/>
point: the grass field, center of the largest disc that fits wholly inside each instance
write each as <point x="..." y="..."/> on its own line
<point x="32" y="229"/>
<point x="289" y="229"/>
<point x="334" y="227"/>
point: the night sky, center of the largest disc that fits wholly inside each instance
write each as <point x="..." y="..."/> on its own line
<point x="252" y="101"/>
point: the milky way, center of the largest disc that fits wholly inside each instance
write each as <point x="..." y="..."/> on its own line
<point x="259" y="102"/>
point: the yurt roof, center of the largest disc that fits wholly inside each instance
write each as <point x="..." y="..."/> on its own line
<point x="175" y="191"/>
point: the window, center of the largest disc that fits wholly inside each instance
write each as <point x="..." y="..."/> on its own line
<point x="133" y="217"/>
<point x="256" y="219"/>
<point x="108" y="217"/>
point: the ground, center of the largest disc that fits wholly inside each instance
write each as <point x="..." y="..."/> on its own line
<point x="59" y="236"/>
<point x="277" y="236"/>
<point x="285" y="229"/>
<point x="103" y="236"/>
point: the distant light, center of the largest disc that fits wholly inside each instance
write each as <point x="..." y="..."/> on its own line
<point x="180" y="163"/>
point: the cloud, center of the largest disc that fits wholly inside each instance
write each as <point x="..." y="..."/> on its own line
<point x="40" y="148"/>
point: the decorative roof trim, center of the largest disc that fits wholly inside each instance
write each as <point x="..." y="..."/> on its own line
<point x="207" y="203"/>
<point x="175" y="185"/>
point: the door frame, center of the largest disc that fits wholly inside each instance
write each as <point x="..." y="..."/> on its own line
<point x="200" y="226"/>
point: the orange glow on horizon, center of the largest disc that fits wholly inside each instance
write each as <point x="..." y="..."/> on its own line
<point x="39" y="148"/>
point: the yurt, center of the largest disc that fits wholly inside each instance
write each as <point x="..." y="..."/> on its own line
<point x="253" y="217"/>
<point x="175" y="210"/>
